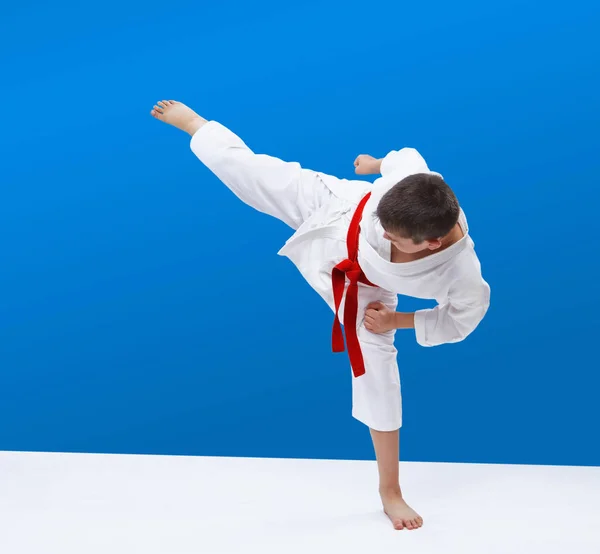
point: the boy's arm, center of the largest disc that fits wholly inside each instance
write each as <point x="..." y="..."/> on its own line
<point x="380" y="319"/>
<point x="404" y="320"/>
<point x="453" y="321"/>
<point x="367" y="165"/>
<point x="406" y="161"/>
<point x="450" y="322"/>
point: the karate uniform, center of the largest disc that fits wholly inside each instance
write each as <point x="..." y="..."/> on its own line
<point x="320" y="208"/>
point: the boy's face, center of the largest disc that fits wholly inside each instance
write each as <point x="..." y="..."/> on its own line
<point x="408" y="246"/>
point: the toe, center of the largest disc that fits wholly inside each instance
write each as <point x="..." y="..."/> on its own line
<point x="409" y="524"/>
<point x="158" y="109"/>
<point x="398" y="524"/>
<point x="419" y="521"/>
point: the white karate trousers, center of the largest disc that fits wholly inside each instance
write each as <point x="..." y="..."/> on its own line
<point x="301" y="198"/>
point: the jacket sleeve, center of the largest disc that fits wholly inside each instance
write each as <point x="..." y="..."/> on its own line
<point x="399" y="164"/>
<point x="455" y="319"/>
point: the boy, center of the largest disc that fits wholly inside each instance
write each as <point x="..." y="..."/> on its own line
<point x="359" y="245"/>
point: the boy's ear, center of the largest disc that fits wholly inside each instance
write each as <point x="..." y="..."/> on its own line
<point x="434" y="244"/>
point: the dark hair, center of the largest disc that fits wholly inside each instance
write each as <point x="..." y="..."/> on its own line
<point x="420" y="207"/>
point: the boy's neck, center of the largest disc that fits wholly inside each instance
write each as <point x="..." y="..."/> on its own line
<point x="451" y="238"/>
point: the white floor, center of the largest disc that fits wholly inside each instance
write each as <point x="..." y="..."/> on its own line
<point x="87" y="504"/>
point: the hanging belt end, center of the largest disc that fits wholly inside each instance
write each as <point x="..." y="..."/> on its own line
<point x="358" y="372"/>
<point x="337" y="344"/>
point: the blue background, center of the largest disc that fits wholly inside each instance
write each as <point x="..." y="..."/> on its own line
<point x="143" y="308"/>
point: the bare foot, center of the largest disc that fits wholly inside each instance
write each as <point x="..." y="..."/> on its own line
<point x="400" y="513"/>
<point x="178" y="115"/>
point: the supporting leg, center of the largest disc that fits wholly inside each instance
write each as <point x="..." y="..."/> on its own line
<point x="387" y="451"/>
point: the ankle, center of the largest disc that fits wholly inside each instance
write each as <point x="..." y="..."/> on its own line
<point x="390" y="490"/>
<point x="196" y="123"/>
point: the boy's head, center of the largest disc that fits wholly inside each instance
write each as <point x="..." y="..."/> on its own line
<point x="418" y="212"/>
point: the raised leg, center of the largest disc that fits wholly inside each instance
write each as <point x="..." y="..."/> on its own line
<point x="281" y="189"/>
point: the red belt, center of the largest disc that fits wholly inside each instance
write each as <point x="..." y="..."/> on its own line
<point x="349" y="268"/>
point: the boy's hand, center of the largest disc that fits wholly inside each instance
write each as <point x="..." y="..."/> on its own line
<point x="367" y="165"/>
<point x="379" y="318"/>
